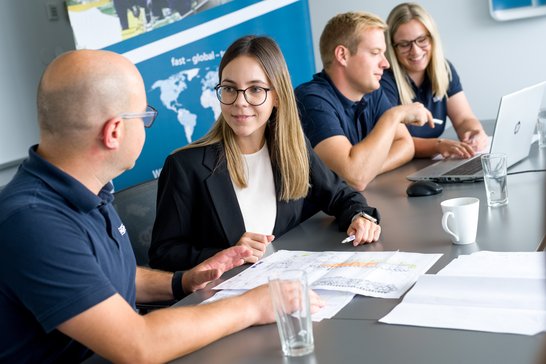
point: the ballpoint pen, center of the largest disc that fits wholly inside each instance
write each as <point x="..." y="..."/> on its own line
<point x="359" y="214"/>
<point x="348" y="239"/>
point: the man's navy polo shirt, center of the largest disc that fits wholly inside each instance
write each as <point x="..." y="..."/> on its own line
<point x="325" y="112"/>
<point x="424" y="95"/>
<point x="63" y="250"/>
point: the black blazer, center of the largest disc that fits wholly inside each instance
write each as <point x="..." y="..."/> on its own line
<point x="198" y="214"/>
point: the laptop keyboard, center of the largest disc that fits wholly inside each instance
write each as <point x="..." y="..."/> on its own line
<point x="466" y="169"/>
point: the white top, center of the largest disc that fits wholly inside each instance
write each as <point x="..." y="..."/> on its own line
<point x="258" y="201"/>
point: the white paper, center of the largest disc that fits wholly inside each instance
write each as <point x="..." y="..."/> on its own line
<point x="334" y="300"/>
<point x="493" y="304"/>
<point x="484" y="291"/>
<point x="498" y="264"/>
<point x="376" y="274"/>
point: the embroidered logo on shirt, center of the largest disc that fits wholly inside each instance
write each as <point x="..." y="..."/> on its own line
<point x="122" y="229"/>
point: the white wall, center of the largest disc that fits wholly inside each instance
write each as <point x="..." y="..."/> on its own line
<point x="492" y="58"/>
<point x="29" y="41"/>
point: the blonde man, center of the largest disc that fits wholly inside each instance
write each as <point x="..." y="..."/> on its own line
<point x="420" y="72"/>
<point x="345" y="115"/>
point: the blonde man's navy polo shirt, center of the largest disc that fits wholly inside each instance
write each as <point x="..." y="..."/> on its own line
<point x="325" y="112"/>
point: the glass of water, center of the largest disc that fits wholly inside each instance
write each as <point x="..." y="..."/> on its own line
<point x="290" y="296"/>
<point x="494" y="176"/>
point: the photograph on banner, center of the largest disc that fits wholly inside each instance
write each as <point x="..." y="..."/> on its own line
<point x="179" y="64"/>
<point x="116" y="20"/>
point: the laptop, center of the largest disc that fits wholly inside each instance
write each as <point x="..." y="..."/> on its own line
<point x="514" y="128"/>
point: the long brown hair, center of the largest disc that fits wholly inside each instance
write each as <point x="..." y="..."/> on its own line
<point x="284" y="133"/>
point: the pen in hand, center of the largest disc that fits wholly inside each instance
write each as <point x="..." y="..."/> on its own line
<point x="348" y="239"/>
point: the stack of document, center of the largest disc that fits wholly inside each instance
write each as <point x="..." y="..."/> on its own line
<point x="338" y="276"/>
<point x="484" y="291"/>
<point x="375" y="274"/>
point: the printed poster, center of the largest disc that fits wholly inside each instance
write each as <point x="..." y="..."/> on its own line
<point x="177" y="46"/>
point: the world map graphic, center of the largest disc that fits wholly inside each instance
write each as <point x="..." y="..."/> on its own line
<point x="178" y="94"/>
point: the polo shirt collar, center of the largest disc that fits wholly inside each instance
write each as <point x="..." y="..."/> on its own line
<point x="347" y="103"/>
<point x="424" y="86"/>
<point x="65" y="185"/>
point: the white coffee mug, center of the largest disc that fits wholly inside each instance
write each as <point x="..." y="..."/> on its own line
<point x="460" y="219"/>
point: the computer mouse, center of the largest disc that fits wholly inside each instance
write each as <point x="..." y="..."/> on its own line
<point x="423" y="188"/>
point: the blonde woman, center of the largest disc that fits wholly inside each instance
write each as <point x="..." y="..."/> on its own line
<point x="253" y="176"/>
<point x="420" y="72"/>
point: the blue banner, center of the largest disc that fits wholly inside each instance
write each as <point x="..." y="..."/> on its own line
<point x="179" y="63"/>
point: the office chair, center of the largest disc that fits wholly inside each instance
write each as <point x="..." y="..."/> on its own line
<point x="136" y="208"/>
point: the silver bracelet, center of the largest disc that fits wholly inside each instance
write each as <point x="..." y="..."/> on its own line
<point x="364" y="215"/>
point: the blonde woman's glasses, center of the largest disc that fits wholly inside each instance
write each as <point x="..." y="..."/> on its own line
<point x="405" y="45"/>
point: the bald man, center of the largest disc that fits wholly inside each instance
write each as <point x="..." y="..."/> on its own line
<point x="68" y="279"/>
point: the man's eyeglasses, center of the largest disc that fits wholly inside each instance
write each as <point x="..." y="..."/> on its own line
<point x="405" y="45"/>
<point x="148" y="116"/>
<point x="254" y="95"/>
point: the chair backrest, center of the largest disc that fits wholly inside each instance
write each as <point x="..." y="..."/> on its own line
<point x="136" y="207"/>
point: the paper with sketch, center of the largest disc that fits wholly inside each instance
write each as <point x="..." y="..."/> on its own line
<point x="376" y="274"/>
<point x="485" y="291"/>
<point x="334" y="300"/>
<point x="493" y="304"/>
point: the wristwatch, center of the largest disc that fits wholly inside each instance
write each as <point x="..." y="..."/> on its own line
<point x="364" y="215"/>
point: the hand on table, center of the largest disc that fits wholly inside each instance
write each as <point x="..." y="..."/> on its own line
<point x="257" y="244"/>
<point x="260" y="300"/>
<point x="364" y="231"/>
<point x="212" y="268"/>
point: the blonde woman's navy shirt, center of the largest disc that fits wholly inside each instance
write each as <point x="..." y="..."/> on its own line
<point x="424" y="95"/>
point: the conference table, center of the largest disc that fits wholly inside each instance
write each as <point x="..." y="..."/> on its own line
<point x="413" y="224"/>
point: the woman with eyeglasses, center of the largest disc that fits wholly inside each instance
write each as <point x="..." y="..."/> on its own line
<point x="420" y="72"/>
<point x="253" y="176"/>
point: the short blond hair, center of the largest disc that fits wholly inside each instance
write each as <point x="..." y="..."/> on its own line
<point x="345" y="29"/>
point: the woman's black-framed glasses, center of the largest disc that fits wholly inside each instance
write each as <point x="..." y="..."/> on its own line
<point x="405" y="45"/>
<point x="254" y="95"/>
<point x="148" y="116"/>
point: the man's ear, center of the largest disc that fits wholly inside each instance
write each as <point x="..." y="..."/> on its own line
<point x="112" y="132"/>
<point x="341" y="54"/>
